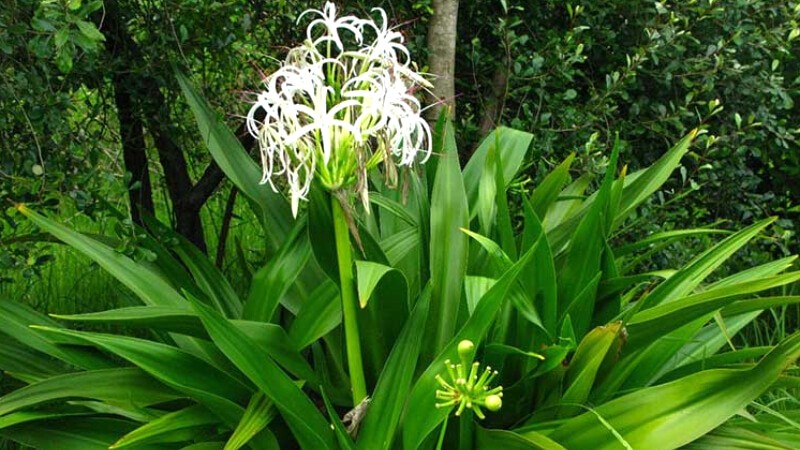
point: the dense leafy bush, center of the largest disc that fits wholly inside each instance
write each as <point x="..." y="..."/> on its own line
<point x="577" y="74"/>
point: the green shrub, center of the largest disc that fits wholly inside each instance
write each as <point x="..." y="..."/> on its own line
<point x="580" y="73"/>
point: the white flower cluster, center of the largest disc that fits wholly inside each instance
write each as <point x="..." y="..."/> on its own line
<point x="340" y="104"/>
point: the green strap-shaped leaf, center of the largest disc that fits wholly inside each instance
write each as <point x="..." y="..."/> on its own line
<point x="688" y="278"/>
<point x="512" y="145"/>
<point x="15" y="322"/>
<point x="651" y="324"/>
<point x="448" y="246"/>
<point x="562" y="216"/>
<point x="207" y="277"/>
<point x="273" y="281"/>
<point x="182" y="371"/>
<point x="546" y="193"/>
<point x="272" y="338"/>
<point x="307" y="424"/>
<point x="342" y="437"/>
<point x="675" y="414"/>
<point x="148" y="285"/>
<point x="585" y="365"/>
<point x="396" y="208"/>
<point x="210" y="280"/>
<point x="228" y="153"/>
<point x="522" y="299"/>
<point x="382" y="318"/>
<point x="508" y="440"/>
<point x="16" y="357"/>
<point x="214" y="445"/>
<point x="641" y="368"/>
<point x="369" y="274"/>
<point x="124" y="386"/>
<point x="182" y="425"/>
<point x="321" y="313"/>
<point x="394" y="384"/>
<point x="78" y="433"/>
<point x="259" y="413"/>
<point x="399" y="245"/>
<point x="164" y="318"/>
<point x="644" y="183"/>
<point x="730" y="359"/>
<point x="669" y="236"/>
<point x="541" y="284"/>
<point x="710" y="340"/>
<point x="733" y="438"/>
<point x="584" y="256"/>
<point x="21" y="417"/>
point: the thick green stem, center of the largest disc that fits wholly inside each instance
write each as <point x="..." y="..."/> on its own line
<point x="349" y="302"/>
<point x="466" y="430"/>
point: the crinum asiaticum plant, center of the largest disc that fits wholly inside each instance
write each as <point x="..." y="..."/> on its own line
<point x="341" y="104"/>
<point x="631" y="360"/>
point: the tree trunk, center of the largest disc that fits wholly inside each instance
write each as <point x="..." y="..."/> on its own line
<point x="140" y="190"/>
<point x="179" y="185"/>
<point x="226" y="227"/>
<point x="131" y="127"/>
<point x="442" y="55"/>
<point x="493" y="108"/>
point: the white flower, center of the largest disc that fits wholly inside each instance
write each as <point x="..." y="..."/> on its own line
<point x="334" y="113"/>
<point x="332" y="26"/>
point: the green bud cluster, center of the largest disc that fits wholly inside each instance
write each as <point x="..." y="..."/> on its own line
<point x="467" y="387"/>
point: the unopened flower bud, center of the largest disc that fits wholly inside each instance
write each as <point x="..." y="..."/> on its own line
<point x="493" y="402"/>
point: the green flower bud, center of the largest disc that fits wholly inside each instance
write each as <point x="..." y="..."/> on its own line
<point x="466" y="350"/>
<point x="493" y="402"/>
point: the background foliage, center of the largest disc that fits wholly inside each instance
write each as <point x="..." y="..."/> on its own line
<point x="577" y="74"/>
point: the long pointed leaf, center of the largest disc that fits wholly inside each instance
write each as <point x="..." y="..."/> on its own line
<point x="448" y="246"/>
<point x="676" y="413"/>
<point x="307" y="424"/>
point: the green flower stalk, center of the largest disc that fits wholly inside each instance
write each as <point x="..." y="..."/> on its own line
<point x="340" y="105"/>
<point x="468" y="388"/>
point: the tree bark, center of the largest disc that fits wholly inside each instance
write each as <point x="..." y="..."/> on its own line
<point x="226" y="227"/>
<point x="131" y="128"/>
<point x="140" y="190"/>
<point x="493" y="107"/>
<point x="442" y="56"/>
